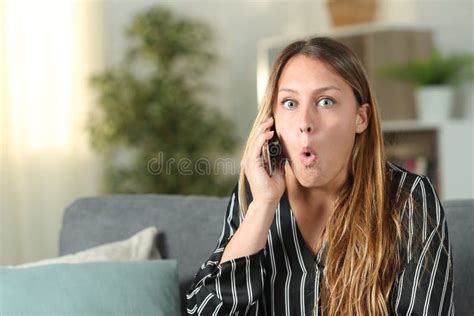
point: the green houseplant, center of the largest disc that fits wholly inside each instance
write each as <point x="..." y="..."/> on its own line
<point x="150" y="123"/>
<point x="433" y="79"/>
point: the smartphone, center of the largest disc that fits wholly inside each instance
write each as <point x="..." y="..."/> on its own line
<point x="271" y="152"/>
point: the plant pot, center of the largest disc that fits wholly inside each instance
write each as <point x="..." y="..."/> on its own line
<point x="434" y="103"/>
<point x="346" y="12"/>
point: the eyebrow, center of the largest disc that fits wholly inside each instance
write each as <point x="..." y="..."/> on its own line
<point x="315" y="90"/>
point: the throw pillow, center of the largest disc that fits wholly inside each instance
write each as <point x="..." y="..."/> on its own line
<point x="100" y="288"/>
<point x="140" y="246"/>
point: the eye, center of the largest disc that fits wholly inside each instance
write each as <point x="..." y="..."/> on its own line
<point x="328" y="102"/>
<point x="288" y="104"/>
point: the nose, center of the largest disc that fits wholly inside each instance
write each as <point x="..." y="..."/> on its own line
<point x="306" y="124"/>
<point x="306" y="128"/>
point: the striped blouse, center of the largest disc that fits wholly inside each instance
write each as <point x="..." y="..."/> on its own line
<point x="284" y="278"/>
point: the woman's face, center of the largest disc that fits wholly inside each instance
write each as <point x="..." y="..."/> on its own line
<point x="317" y="119"/>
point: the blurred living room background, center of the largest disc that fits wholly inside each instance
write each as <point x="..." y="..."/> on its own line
<point x="93" y="91"/>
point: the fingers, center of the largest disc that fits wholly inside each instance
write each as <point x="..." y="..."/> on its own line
<point x="253" y="157"/>
<point x="256" y="150"/>
<point x="262" y="134"/>
<point x="263" y="126"/>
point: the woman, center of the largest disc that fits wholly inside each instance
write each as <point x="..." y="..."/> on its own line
<point x="336" y="229"/>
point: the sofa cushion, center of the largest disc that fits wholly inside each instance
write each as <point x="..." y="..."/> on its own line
<point x="101" y="288"/>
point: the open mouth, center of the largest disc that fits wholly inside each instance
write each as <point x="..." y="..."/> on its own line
<point x="307" y="156"/>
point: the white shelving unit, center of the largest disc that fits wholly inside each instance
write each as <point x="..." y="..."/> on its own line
<point x="449" y="145"/>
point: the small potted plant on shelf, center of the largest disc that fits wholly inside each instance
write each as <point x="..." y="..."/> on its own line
<point x="434" y="79"/>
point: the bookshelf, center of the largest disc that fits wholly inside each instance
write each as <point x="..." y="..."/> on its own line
<point x="442" y="151"/>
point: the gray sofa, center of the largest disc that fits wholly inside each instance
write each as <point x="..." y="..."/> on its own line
<point x="190" y="227"/>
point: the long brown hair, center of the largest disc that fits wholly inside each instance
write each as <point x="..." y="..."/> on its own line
<point x="364" y="233"/>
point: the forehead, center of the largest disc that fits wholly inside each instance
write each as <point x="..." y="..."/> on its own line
<point x="302" y="69"/>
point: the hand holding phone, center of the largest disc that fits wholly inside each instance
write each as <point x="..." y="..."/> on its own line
<point x="267" y="185"/>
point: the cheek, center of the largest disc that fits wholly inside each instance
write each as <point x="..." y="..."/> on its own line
<point x="284" y="135"/>
<point x="346" y="142"/>
<point x="281" y="124"/>
<point x="341" y="138"/>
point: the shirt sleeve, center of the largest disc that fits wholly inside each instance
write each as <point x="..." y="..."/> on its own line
<point x="425" y="285"/>
<point x="233" y="286"/>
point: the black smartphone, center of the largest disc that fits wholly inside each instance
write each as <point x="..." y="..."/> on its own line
<point x="271" y="152"/>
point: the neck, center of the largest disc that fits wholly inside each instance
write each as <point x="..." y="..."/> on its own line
<point x="318" y="202"/>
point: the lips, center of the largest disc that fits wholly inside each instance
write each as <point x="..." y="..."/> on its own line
<point x="307" y="156"/>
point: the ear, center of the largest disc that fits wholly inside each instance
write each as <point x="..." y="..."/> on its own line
<point x="362" y="117"/>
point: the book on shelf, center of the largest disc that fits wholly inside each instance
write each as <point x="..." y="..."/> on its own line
<point x="420" y="165"/>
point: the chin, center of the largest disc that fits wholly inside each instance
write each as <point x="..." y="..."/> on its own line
<point x="308" y="178"/>
<point x="308" y="182"/>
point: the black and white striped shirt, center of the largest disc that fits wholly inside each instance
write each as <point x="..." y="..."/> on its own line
<point x="284" y="278"/>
